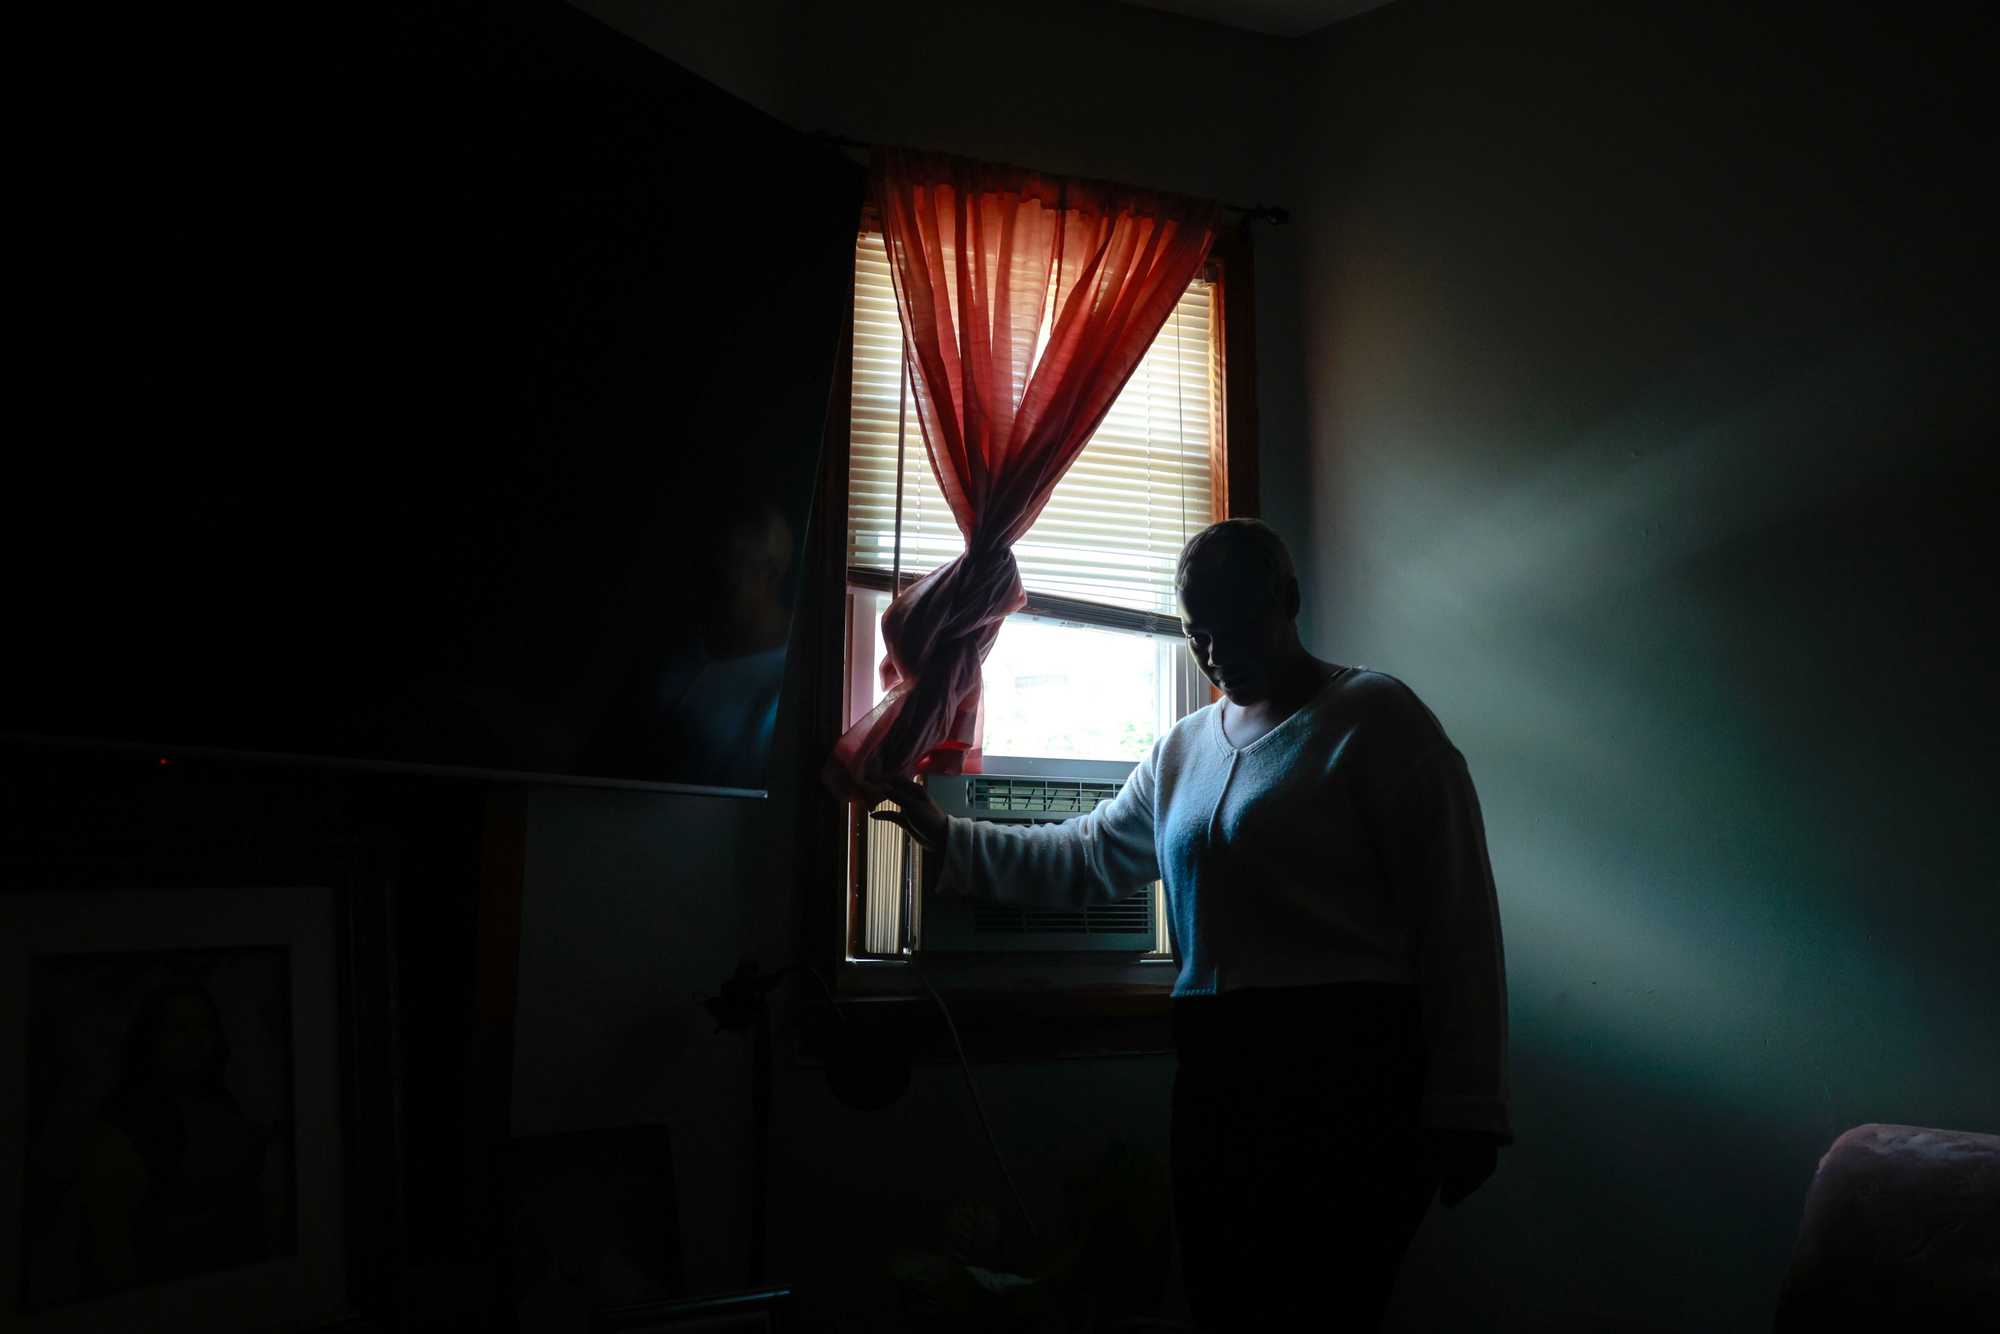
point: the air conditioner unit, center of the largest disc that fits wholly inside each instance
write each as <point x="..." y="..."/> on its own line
<point x="1023" y="791"/>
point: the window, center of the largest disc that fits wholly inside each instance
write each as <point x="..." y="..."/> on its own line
<point x="1094" y="669"/>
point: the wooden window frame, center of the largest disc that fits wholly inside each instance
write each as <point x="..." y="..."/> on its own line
<point x="1018" y="1006"/>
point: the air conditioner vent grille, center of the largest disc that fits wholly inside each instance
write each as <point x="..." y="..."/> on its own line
<point x="1039" y="796"/>
<point x="1124" y="918"/>
<point x="1023" y="799"/>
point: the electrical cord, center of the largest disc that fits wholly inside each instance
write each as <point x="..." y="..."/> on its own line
<point x="980" y="1106"/>
<point x="827" y="989"/>
<point x="740" y="1001"/>
<point x="972" y="1087"/>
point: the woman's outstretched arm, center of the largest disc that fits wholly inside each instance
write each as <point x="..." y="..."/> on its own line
<point x="1099" y="856"/>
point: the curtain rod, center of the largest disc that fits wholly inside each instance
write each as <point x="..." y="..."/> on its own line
<point x="1276" y="214"/>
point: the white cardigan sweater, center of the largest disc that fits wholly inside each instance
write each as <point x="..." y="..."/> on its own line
<point x="1344" y="845"/>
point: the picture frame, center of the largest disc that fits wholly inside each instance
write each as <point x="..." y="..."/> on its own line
<point x="280" y="963"/>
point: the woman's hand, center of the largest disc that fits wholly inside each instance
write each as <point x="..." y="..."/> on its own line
<point x="920" y="817"/>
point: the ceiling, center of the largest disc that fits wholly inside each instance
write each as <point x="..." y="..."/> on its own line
<point x="1281" y="18"/>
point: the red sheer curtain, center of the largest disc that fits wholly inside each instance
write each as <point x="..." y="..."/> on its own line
<point x="979" y="255"/>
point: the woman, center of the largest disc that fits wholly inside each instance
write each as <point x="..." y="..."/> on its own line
<point x="1340" y="1008"/>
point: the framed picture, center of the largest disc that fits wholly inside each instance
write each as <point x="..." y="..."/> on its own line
<point x="197" y="1079"/>
<point x="762" y="1311"/>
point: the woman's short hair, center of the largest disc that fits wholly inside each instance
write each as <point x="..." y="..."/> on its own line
<point x="1252" y="542"/>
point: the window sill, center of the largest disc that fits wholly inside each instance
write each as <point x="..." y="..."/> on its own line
<point x="1005" y="1008"/>
<point x="1020" y="971"/>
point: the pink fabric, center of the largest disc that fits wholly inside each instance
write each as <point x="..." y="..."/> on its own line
<point x="1901" y="1231"/>
<point x="974" y="250"/>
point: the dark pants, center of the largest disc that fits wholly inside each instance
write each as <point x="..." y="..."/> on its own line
<point x="1298" y="1176"/>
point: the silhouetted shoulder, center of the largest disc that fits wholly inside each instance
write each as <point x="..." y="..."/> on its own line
<point x="1391" y="716"/>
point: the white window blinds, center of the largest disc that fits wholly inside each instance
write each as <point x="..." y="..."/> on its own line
<point x="1118" y="519"/>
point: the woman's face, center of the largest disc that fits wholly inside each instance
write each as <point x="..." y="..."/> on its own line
<point x="1233" y="629"/>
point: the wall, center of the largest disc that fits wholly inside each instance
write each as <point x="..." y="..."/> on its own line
<point x="636" y="902"/>
<point x="1650" y="407"/>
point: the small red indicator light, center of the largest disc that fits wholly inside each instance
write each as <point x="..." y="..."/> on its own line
<point x="165" y="760"/>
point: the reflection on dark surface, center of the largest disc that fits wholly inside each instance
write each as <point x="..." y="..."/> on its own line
<point x="711" y="705"/>
<point x="447" y="483"/>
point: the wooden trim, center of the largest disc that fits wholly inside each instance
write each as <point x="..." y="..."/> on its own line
<point x="856" y="870"/>
<point x="857" y="671"/>
<point x="826" y="925"/>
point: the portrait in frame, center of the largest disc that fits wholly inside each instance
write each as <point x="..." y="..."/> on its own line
<point x="159" y="1129"/>
<point x="174" y="1130"/>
